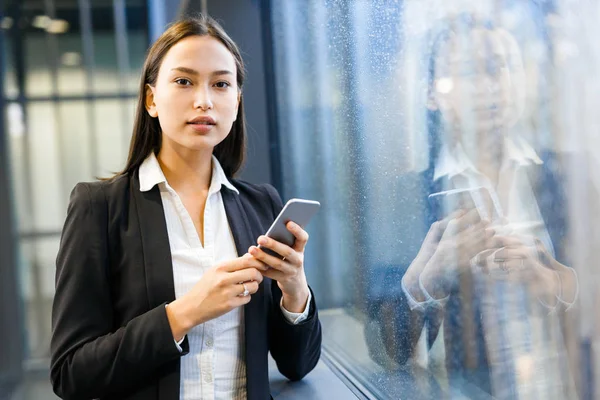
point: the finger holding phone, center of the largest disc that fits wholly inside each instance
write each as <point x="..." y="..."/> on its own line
<point x="222" y="288"/>
<point x="463" y="238"/>
<point x="282" y="248"/>
<point x="430" y="244"/>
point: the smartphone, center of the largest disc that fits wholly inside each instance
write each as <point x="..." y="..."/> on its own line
<point x="488" y="206"/>
<point x="479" y="198"/>
<point x="299" y="211"/>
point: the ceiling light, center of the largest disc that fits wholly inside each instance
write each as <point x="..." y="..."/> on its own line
<point x="57" y="26"/>
<point x="6" y="23"/>
<point x="71" y="59"/>
<point x="41" y="21"/>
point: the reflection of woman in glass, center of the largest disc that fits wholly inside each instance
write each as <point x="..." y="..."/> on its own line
<point x="492" y="267"/>
<point x="161" y="292"/>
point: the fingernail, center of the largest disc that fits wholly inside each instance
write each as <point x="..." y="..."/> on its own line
<point x="262" y="240"/>
<point x="252" y="249"/>
<point x="292" y="225"/>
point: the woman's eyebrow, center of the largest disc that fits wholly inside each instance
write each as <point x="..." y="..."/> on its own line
<point x="194" y="72"/>
<point x="185" y="70"/>
<point x="222" y="72"/>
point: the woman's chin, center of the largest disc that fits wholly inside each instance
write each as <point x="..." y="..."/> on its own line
<point x="195" y="144"/>
<point x="203" y="143"/>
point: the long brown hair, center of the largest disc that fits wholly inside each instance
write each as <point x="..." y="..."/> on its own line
<point x="147" y="135"/>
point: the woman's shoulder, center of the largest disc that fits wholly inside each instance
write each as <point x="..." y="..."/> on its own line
<point x="258" y="192"/>
<point x="101" y="191"/>
<point x="254" y="189"/>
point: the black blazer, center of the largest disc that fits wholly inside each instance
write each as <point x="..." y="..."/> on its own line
<point x="111" y="337"/>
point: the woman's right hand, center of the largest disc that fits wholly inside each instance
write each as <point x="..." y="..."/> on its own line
<point x="463" y="238"/>
<point x="218" y="292"/>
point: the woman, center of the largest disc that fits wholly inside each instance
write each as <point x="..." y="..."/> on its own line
<point x="161" y="292"/>
<point x="484" y="291"/>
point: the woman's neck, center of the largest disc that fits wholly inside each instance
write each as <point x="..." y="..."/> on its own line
<point x="187" y="171"/>
<point x="487" y="153"/>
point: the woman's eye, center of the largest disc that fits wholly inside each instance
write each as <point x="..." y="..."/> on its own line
<point x="222" y="85"/>
<point x="183" y="81"/>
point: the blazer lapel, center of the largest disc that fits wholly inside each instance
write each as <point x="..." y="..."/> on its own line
<point x="155" y="245"/>
<point x="254" y="313"/>
<point x="158" y="266"/>
<point x="238" y="221"/>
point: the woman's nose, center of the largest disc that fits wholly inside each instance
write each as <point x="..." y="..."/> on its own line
<point x="203" y="100"/>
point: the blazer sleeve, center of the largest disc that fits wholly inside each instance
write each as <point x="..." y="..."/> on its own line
<point x="90" y="356"/>
<point x="295" y="348"/>
<point x="392" y="329"/>
<point x="390" y="321"/>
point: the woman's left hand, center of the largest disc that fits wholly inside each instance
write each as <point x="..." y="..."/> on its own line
<point x="525" y="259"/>
<point x="289" y="271"/>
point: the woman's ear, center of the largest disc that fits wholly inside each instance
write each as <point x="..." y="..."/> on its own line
<point x="149" y="101"/>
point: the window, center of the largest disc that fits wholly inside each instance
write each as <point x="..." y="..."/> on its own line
<point x="69" y="65"/>
<point x="396" y="114"/>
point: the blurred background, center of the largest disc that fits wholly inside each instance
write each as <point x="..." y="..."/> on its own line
<point x="339" y="107"/>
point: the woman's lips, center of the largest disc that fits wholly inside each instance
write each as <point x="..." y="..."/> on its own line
<point x="202" y="127"/>
<point x="202" y="124"/>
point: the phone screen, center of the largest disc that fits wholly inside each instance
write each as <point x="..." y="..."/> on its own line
<point x="488" y="207"/>
<point x="446" y="202"/>
<point x="298" y="210"/>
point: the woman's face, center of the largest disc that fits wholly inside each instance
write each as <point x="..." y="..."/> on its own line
<point x="477" y="81"/>
<point x="195" y="97"/>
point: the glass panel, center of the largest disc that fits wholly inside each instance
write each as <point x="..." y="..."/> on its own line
<point x="37" y="267"/>
<point x="10" y="77"/>
<point x="129" y="107"/>
<point x="106" y="78"/>
<point x="138" y="44"/>
<point x="54" y="168"/>
<point x="32" y="326"/>
<point x="54" y="145"/>
<point x="114" y="133"/>
<point x="64" y="48"/>
<point x="61" y="49"/>
<point x="454" y="253"/>
<point x="71" y="68"/>
<point x="47" y="166"/>
<point x="77" y="146"/>
<point x="15" y="123"/>
<point x="38" y="81"/>
<point x="105" y="47"/>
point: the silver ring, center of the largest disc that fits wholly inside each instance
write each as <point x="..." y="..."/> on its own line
<point x="245" y="292"/>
